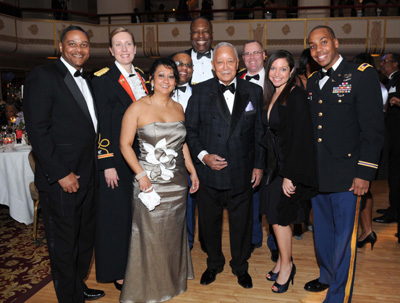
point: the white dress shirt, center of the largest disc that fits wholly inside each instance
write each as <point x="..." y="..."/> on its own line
<point x="260" y="81"/>
<point x="134" y="82"/>
<point x="183" y="97"/>
<point x="202" y="69"/>
<point x="334" y="67"/>
<point x="84" y="88"/>
<point x="230" y="100"/>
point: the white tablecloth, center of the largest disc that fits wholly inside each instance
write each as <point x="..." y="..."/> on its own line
<point x="15" y="176"/>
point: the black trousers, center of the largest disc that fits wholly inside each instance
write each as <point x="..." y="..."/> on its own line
<point x="394" y="167"/>
<point x="69" y="221"/>
<point x="211" y="204"/>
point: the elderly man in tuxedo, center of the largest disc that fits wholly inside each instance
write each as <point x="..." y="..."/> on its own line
<point x="223" y="133"/>
<point x="61" y="121"/>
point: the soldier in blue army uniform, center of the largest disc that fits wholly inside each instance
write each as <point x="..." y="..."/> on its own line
<point x="346" y="107"/>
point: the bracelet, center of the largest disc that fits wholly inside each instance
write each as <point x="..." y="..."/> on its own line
<point x="142" y="174"/>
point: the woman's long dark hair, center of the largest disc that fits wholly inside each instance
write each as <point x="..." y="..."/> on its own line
<point x="169" y="63"/>
<point x="269" y="88"/>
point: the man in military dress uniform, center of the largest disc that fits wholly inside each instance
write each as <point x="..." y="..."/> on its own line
<point x="347" y="113"/>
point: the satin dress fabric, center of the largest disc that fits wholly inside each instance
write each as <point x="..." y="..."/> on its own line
<point x="160" y="263"/>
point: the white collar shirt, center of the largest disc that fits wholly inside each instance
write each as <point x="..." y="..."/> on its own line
<point x="202" y="69"/>
<point x="133" y="80"/>
<point x="260" y="81"/>
<point x="183" y="97"/>
<point x="229" y="97"/>
<point x="334" y="67"/>
<point x="84" y="88"/>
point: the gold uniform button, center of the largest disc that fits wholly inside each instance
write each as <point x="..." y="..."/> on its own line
<point x="340" y="101"/>
<point x="319" y="126"/>
<point x="320" y="114"/>
<point x="349" y="155"/>
<point x="319" y="140"/>
<point x="320" y="101"/>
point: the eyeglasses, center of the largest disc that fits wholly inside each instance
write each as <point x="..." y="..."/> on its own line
<point x="188" y="65"/>
<point x="386" y="60"/>
<point x="248" y="54"/>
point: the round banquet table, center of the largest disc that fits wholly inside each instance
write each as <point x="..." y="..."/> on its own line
<point x="15" y="176"/>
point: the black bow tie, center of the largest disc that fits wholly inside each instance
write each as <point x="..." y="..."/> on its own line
<point x="230" y="87"/>
<point x="256" y="77"/>
<point x="79" y="74"/>
<point x="131" y="75"/>
<point x="206" y="54"/>
<point x="182" y="88"/>
<point x="322" y="74"/>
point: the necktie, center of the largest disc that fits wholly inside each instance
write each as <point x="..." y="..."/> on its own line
<point x="79" y="74"/>
<point x="206" y="54"/>
<point x="322" y="74"/>
<point x="182" y="88"/>
<point x="255" y="77"/>
<point x="230" y="87"/>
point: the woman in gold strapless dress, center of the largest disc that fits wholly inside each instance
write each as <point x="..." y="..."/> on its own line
<point x="159" y="261"/>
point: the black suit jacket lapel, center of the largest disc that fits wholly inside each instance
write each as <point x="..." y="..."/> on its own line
<point x="74" y="89"/>
<point x="239" y="105"/>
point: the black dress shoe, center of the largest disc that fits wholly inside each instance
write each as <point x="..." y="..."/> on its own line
<point x="117" y="285"/>
<point x="244" y="278"/>
<point x="209" y="276"/>
<point x="383" y="211"/>
<point x="315" y="286"/>
<point x="93" y="294"/>
<point x="274" y="255"/>
<point x="385" y="219"/>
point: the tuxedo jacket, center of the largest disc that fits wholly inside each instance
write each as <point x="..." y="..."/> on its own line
<point x="393" y="112"/>
<point x="348" y="125"/>
<point x="113" y="97"/>
<point x="235" y="137"/>
<point x="59" y="127"/>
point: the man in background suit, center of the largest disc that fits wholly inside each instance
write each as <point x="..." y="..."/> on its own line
<point x="61" y="121"/>
<point x="224" y="129"/>
<point x="201" y="37"/>
<point x="253" y="58"/>
<point x="390" y="68"/>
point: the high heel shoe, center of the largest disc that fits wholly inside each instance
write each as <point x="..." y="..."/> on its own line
<point x="371" y="238"/>
<point x="272" y="276"/>
<point x="281" y="288"/>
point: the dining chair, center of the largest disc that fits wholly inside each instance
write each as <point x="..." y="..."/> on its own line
<point x="34" y="195"/>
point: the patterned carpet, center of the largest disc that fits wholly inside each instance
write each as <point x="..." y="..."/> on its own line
<point x="24" y="265"/>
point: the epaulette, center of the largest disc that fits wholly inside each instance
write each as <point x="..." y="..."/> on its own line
<point x="242" y="70"/>
<point x="363" y="67"/>
<point x="101" y="72"/>
<point x="137" y="68"/>
<point x="311" y="75"/>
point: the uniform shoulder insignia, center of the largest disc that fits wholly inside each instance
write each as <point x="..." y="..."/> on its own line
<point x="242" y="70"/>
<point x="101" y="72"/>
<point x="311" y="75"/>
<point x="137" y="68"/>
<point x="363" y="67"/>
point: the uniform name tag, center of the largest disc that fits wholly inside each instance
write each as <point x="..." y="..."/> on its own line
<point x="343" y="88"/>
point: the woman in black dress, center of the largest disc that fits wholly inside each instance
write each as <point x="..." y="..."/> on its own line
<point x="290" y="177"/>
<point x="115" y="89"/>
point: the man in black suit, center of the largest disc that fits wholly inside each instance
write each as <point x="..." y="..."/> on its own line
<point x="390" y="68"/>
<point x="223" y="133"/>
<point x="61" y="121"/>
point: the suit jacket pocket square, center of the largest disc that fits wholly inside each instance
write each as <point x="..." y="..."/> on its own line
<point x="249" y="107"/>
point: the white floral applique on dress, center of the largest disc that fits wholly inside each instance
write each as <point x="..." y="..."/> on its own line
<point x="162" y="158"/>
